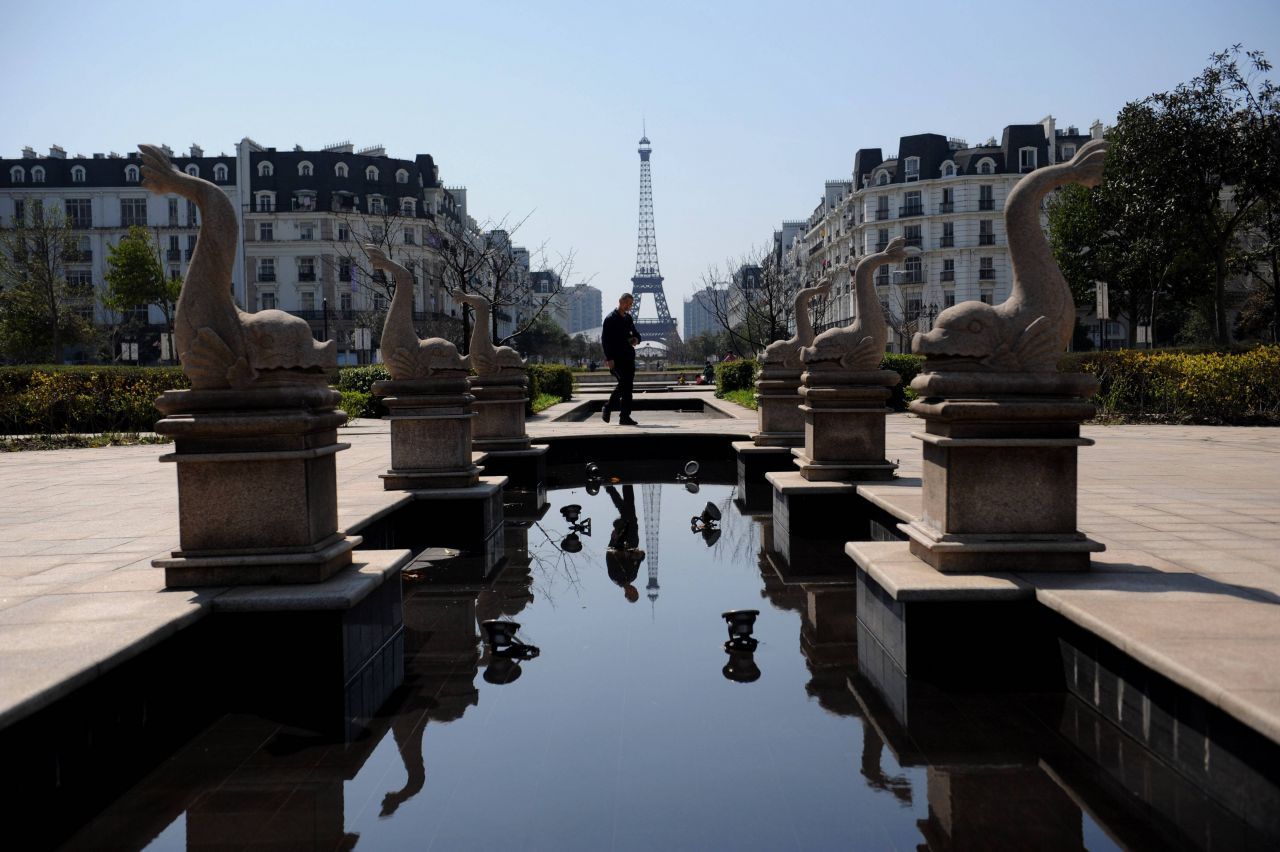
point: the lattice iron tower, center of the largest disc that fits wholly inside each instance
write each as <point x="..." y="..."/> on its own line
<point x="648" y="278"/>
<point x="652" y="495"/>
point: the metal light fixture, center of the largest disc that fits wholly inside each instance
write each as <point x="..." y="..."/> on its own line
<point x="741" y="667"/>
<point x="741" y="623"/>
<point x="506" y="651"/>
<point x="571" y="543"/>
<point x="707" y="520"/>
<point x="571" y="512"/>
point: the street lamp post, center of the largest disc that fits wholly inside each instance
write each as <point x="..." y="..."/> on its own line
<point x="324" y="310"/>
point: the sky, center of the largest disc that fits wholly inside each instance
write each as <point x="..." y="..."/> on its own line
<point x="537" y="108"/>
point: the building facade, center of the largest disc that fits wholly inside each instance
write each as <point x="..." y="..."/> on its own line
<point x="946" y="198"/>
<point x="702" y="312"/>
<point x="585" y="307"/>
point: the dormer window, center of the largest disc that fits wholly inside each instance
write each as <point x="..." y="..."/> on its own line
<point x="1026" y="159"/>
<point x="265" y="169"/>
<point x="882" y="178"/>
<point x="371" y="173"/>
<point x="407" y="206"/>
<point x="1068" y="151"/>
<point x="18" y="174"/>
<point x="220" y="172"/>
<point x="375" y="203"/>
<point x="37" y="174"/>
<point x="402" y="176"/>
<point x="340" y="170"/>
<point x="912" y="170"/>
<point x="304" y="169"/>
<point x="77" y="174"/>
<point x="131" y="174"/>
<point x="948" y="169"/>
<point x="193" y="170"/>
<point x="986" y="167"/>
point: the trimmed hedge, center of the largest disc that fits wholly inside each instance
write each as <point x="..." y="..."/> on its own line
<point x="57" y="399"/>
<point x="1239" y="388"/>
<point x="554" y="379"/>
<point x="359" y="380"/>
<point x="736" y="375"/>
<point x="906" y="366"/>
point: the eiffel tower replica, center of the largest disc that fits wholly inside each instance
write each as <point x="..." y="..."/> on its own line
<point x="648" y="279"/>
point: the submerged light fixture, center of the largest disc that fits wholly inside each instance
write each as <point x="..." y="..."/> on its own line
<point x="741" y="622"/>
<point x="741" y="667"/>
<point x="506" y="651"/>
<point x="707" y="520"/>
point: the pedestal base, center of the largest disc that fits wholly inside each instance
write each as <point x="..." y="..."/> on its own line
<point x="499" y="407"/>
<point x="778" y="409"/>
<point x="813" y="520"/>
<point x="431" y="433"/>
<point x="992" y="553"/>
<point x="844" y="425"/>
<point x="525" y="466"/>
<point x="258" y="567"/>
<point x="755" y="494"/>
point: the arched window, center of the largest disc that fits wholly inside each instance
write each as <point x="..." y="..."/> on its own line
<point x="371" y="173"/>
<point x="987" y="166"/>
<point x="304" y="169"/>
<point x="193" y="170"/>
<point x="220" y="172"/>
<point x="265" y="169"/>
<point x="402" y="176"/>
<point x="77" y="174"/>
<point x="912" y="170"/>
<point x="882" y="178"/>
<point x="948" y="169"/>
<point x="37" y="174"/>
<point x="340" y="170"/>
<point x="131" y="174"/>
<point x="18" y="174"/>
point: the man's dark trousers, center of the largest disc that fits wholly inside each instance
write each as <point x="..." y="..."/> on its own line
<point x="620" y="399"/>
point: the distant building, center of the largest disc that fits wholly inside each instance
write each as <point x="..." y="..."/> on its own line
<point x="947" y="199"/>
<point x="702" y="311"/>
<point x="586" y="308"/>
<point x="547" y="289"/>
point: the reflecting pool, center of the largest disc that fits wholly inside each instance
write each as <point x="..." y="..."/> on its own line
<point x="634" y="727"/>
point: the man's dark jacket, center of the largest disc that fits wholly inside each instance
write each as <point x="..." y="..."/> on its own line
<point x="616" y="336"/>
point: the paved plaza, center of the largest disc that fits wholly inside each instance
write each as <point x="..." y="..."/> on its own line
<point x="1189" y="584"/>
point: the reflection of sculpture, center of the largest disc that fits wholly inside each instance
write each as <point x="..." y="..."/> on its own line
<point x="785" y="354"/>
<point x="485" y="358"/>
<point x="858" y="346"/>
<point x="219" y="345"/>
<point x="1029" y="331"/>
<point x="406" y="356"/>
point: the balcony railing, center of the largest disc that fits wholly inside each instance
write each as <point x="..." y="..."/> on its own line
<point x="173" y="254"/>
<point x="947" y="275"/>
<point x="882" y="245"/>
<point x="947" y="207"/>
<point x="986" y="274"/>
<point x="266" y="276"/>
<point x="817" y="247"/>
<point x="912" y="278"/>
<point x="262" y="205"/>
<point x="80" y="223"/>
<point x="81" y="256"/>
<point x="882" y="213"/>
<point x="304" y="204"/>
<point x="130" y="221"/>
<point x="306" y="276"/>
<point x="915" y="241"/>
<point x="986" y="204"/>
<point x="911" y="210"/>
<point x="986" y="239"/>
<point x="947" y="241"/>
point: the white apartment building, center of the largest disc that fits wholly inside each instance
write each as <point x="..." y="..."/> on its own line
<point x="947" y="199"/>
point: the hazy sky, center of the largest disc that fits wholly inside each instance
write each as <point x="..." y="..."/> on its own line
<point x="537" y="107"/>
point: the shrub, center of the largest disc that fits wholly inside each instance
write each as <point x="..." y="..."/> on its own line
<point x="357" y="404"/>
<point x="736" y="375"/>
<point x="51" y="399"/>
<point x="553" y="379"/>
<point x="360" y="380"/>
<point x="906" y="366"/>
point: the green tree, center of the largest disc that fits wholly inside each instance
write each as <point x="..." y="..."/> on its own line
<point x="135" y="277"/>
<point x="542" y="337"/>
<point x="39" y="310"/>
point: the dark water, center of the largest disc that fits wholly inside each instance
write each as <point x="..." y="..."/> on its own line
<point x="625" y="733"/>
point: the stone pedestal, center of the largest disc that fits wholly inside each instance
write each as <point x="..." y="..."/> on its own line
<point x="844" y="425"/>
<point x="811" y="523"/>
<point x="257" y="490"/>
<point x="755" y="494"/>
<point x="431" y="433"/>
<point x="500" y="429"/>
<point x="778" y="406"/>
<point x="999" y="475"/>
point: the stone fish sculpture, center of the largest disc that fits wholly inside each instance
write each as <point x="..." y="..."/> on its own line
<point x="859" y="346"/>
<point x="219" y="345"/>
<point x="1030" y="330"/>
<point x="406" y="356"/>
<point x="484" y="358"/>
<point x="786" y="354"/>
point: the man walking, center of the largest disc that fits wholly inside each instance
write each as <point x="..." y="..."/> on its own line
<point x="619" y="338"/>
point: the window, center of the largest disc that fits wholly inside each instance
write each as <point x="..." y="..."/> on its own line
<point x="1026" y="159"/>
<point x="402" y="176"/>
<point x="266" y="269"/>
<point x="131" y="174"/>
<point x="914" y="304"/>
<point x="408" y="236"/>
<point x="379" y="302"/>
<point x="948" y="297"/>
<point x="344" y="303"/>
<point x="344" y="270"/>
<point x="307" y="300"/>
<point x="911" y="205"/>
<point x="304" y="169"/>
<point x="340" y="170"/>
<point x="191" y="214"/>
<point x="77" y="174"/>
<point x="882" y="276"/>
<point x="79" y="212"/>
<point x="987" y="166"/>
<point x="914" y="267"/>
<point x="265" y="169"/>
<point x="882" y="177"/>
<point x="882" y="207"/>
<point x="986" y="237"/>
<point x="371" y="173"/>
<point x="912" y="234"/>
<point x="375" y="203"/>
<point x="265" y="202"/>
<point x="987" y="296"/>
<point x="220" y="172"/>
<point x="37" y="174"/>
<point x="173" y="212"/>
<point x="407" y="207"/>
<point x="267" y="298"/>
<point x="306" y="269"/>
<point x="18" y="174"/>
<point x="882" y="239"/>
<point x="986" y="269"/>
<point x="266" y="231"/>
<point x="913" y="169"/>
<point x="343" y="233"/>
<point x="19" y="210"/>
<point x="948" y="169"/>
<point x="174" y="252"/>
<point x="948" y="203"/>
<point x="80" y="282"/>
<point x="948" y="270"/>
<point x="133" y="211"/>
<point x="306" y="230"/>
<point x="1068" y="151"/>
<point x="948" y="235"/>
<point x="193" y="170"/>
<point x="985" y="199"/>
<point x="191" y="245"/>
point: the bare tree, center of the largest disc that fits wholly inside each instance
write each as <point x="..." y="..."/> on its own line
<point x="753" y="299"/>
<point x="40" y="310"/>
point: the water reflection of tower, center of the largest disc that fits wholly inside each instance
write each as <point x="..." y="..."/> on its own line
<point x="652" y="515"/>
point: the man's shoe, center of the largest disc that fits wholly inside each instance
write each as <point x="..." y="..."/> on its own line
<point x="605" y="414"/>
<point x="626" y="420"/>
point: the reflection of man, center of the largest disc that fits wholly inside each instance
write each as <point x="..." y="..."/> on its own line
<point x="619" y="337"/>
<point x="624" y="555"/>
